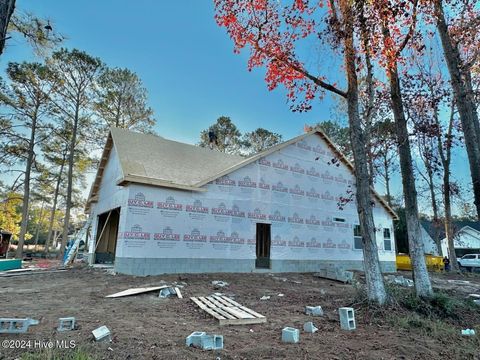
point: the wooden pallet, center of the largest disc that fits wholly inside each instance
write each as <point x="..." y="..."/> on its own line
<point x="227" y="311"/>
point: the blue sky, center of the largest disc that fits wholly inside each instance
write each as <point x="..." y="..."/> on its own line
<point x="187" y="64"/>
<point x="184" y="59"/>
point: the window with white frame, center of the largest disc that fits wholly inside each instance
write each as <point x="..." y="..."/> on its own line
<point x="357" y="238"/>
<point x="387" y="240"/>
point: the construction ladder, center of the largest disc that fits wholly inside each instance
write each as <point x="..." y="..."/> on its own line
<point x="71" y="250"/>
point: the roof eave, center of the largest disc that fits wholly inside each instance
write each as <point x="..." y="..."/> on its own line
<point x="145" y="180"/>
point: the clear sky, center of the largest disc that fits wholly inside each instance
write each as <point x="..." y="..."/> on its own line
<point x="186" y="63"/>
<point x="184" y="58"/>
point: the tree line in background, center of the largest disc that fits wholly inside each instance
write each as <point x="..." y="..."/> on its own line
<point x="55" y="115"/>
<point x="422" y="95"/>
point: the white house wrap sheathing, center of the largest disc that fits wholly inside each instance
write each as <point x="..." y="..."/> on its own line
<point x="296" y="189"/>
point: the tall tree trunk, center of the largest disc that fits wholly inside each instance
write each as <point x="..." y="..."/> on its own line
<point x="386" y="167"/>
<point x="436" y="219"/>
<point x="464" y="98"/>
<point x="373" y="274"/>
<point x="449" y="223"/>
<point x="26" y="187"/>
<point x="423" y="287"/>
<point x="68" y="205"/>
<point x="54" y="207"/>
<point x="39" y="223"/>
<point x="6" y="12"/>
<point x="445" y="158"/>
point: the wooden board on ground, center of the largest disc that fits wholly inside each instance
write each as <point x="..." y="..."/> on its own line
<point x="179" y="293"/>
<point x="227" y="311"/>
<point x="136" y="291"/>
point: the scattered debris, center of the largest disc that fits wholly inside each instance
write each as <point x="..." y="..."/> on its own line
<point x="66" y="324"/>
<point x="309" y="327"/>
<point x="468" y="332"/>
<point x="16" y="326"/>
<point x="281" y="295"/>
<point x="279" y="278"/>
<point x="218" y="284"/>
<point x="335" y="272"/>
<point x="265" y="297"/>
<point x="30" y="271"/>
<point x="200" y="339"/>
<point x="166" y="292"/>
<point x="477" y="302"/>
<point x="399" y="280"/>
<point x="290" y="335"/>
<point x="296" y="282"/>
<point x="111" y="272"/>
<point x="135" y="291"/>
<point x="475" y="296"/>
<point x="314" y="310"/>
<point x="102" y="333"/>
<point x="228" y="311"/>
<point x="459" y="282"/>
<point x="347" y="318"/>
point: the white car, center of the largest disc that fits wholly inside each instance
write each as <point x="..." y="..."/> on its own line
<point x="469" y="261"/>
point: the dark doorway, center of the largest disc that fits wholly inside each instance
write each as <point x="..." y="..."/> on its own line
<point x="263" y="246"/>
<point x="106" y="237"/>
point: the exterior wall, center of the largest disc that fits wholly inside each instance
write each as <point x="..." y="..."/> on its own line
<point x="429" y="244"/>
<point x="466" y="238"/>
<point x="296" y="190"/>
<point x="110" y="197"/>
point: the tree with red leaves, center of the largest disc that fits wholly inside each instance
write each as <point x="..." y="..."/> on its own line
<point x="274" y="32"/>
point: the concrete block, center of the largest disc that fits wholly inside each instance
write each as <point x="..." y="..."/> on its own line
<point x="290" y="335"/>
<point x="66" y="324"/>
<point x="314" y="310"/>
<point x="102" y="333"/>
<point x="468" y="332"/>
<point x="212" y="342"/>
<point x="347" y="318"/>
<point x="16" y="326"/>
<point x="309" y="327"/>
<point x="195" y="339"/>
<point x="167" y="292"/>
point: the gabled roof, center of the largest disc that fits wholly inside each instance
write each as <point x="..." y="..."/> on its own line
<point x="439" y="228"/>
<point x="153" y="160"/>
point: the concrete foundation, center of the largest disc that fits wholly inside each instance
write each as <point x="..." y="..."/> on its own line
<point x="157" y="266"/>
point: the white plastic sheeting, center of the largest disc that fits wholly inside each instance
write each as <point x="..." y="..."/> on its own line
<point x="296" y="189"/>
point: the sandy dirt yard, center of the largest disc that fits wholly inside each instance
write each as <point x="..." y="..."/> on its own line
<point x="148" y="327"/>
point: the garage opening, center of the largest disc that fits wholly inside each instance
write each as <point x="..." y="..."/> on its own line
<point x="263" y="246"/>
<point x="106" y="240"/>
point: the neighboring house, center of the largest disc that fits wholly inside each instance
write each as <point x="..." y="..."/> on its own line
<point x="160" y="206"/>
<point x="466" y="237"/>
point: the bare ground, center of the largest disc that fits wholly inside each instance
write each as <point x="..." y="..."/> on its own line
<point x="147" y="327"/>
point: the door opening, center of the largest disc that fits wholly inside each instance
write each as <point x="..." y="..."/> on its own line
<point x="106" y="237"/>
<point x="263" y="246"/>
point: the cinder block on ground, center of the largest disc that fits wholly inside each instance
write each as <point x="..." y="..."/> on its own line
<point x="15" y="326"/>
<point x="66" y="324"/>
<point x="167" y="292"/>
<point x="309" y="327"/>
<point x="195" y="339"/>
<point x="347" y="318"/>
<point x="314" y="310"/>
<point x="212" y="342"/>
<point x="102" y="333"/>
<point x="290" y="335"/>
